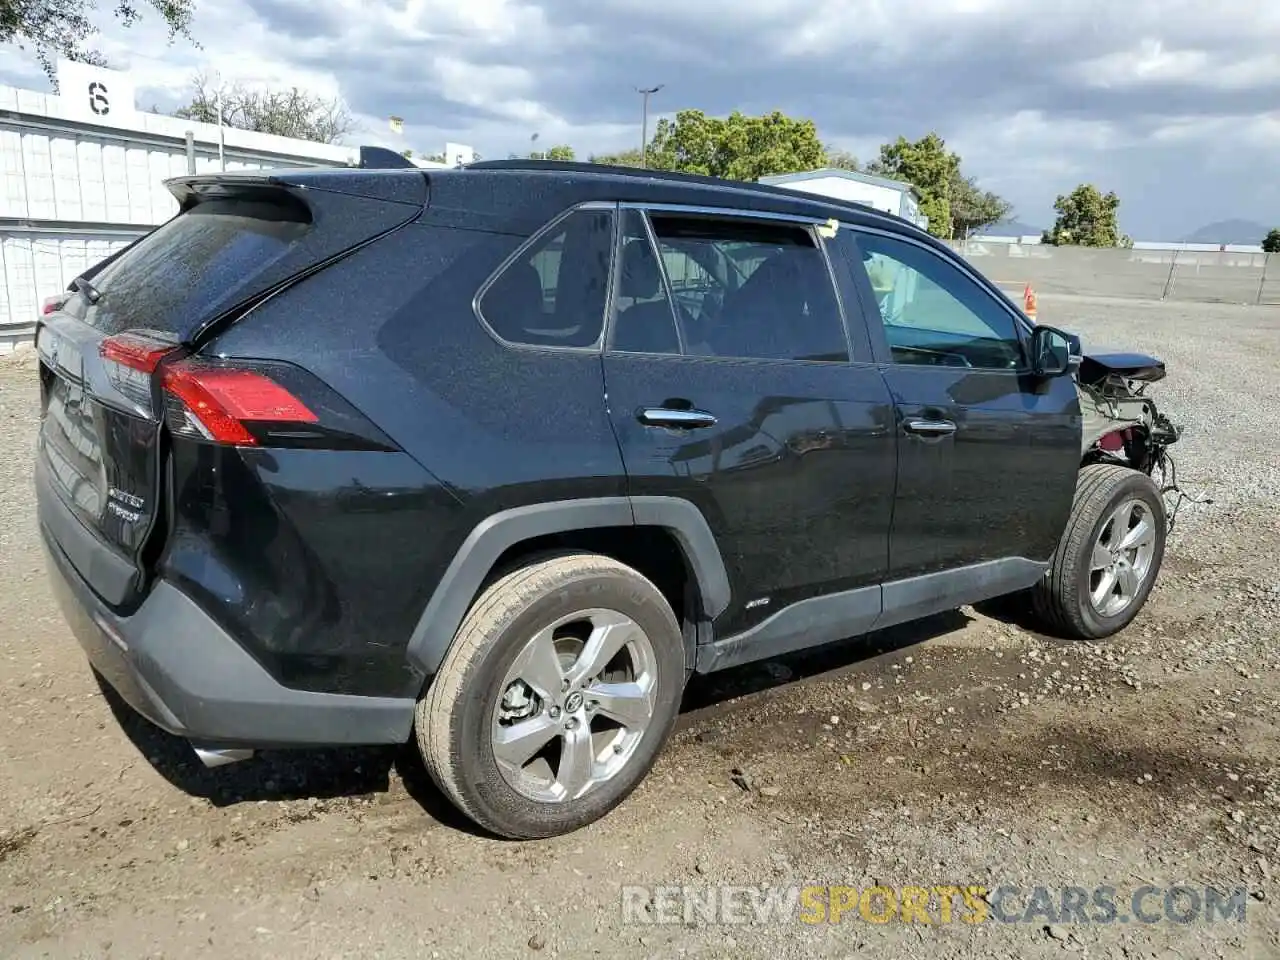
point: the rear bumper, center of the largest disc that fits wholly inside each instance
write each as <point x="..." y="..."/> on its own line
<point x="178" y="668"/>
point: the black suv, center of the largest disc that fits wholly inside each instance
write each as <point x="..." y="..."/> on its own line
<point x="498" y="456"/>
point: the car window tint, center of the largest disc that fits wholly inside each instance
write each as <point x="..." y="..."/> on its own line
<point x="553" y="293"/>
<point x="933" y="313"/>
<point x="643" y="321"/>
<point x="751" y="290"/>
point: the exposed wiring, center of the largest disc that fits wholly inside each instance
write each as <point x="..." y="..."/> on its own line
<point x="1158" y="452"/>
<point x="1103" y="401"/>
<point x="1169" y="484"/>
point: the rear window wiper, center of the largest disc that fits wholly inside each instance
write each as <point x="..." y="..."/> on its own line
<point x="91" y="293"/>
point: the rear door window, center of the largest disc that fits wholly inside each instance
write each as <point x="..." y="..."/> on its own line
<point x="643" y="320"/>
<point x="747" y="289"/>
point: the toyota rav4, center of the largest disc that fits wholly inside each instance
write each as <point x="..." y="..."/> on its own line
<point x="494" y="458"/>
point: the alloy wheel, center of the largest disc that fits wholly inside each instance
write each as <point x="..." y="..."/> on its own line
<point x="575" y="704"/>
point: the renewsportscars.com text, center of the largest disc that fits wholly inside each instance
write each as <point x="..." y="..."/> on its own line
<point x="935" y="904"/>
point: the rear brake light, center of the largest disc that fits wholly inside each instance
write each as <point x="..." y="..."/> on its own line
<point x="217" y="403"/>
<point x="52" y="304"/>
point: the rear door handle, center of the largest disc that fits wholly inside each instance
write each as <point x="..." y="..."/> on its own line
<point x="678" y="419"/>
<point x="930" y="428"/>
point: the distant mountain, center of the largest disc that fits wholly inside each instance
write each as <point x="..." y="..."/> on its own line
<point x="1229" y="231"/>
<point x="1009" y="228"/>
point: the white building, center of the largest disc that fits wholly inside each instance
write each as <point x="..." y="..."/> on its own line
<point x="82" y="171"/>
<point x="892" y="196"/>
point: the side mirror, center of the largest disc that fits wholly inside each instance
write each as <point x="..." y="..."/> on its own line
<point x="1054" y="352"/>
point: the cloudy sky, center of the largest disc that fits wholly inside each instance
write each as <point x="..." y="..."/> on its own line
<point x="1174" y="104"/>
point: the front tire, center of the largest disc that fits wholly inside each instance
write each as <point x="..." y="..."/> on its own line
<point x="560" y="688"/>
<point x="1109" y="556"/>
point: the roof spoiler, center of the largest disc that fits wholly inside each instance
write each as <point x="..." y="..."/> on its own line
<point x="380" y="158"/>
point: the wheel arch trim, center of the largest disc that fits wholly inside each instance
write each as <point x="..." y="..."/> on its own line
<point x="493" y="536"/>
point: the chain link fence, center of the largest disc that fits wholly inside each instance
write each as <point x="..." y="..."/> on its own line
<point x="1192" y="276"/>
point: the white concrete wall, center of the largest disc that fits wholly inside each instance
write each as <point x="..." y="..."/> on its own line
<point x="1164" y="245"/>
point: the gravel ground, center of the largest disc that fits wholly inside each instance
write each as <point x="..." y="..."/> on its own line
<point x="961" y="751"/>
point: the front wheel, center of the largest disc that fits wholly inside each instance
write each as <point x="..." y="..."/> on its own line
<point x="1109" y="555"/>
<point x="560" y="688"/>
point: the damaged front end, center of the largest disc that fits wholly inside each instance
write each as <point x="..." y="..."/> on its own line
<point x="1121" y="424"/>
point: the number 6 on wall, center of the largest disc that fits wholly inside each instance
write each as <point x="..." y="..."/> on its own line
<point x="98" y="101"/>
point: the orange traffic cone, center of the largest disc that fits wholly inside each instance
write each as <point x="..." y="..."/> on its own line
<point x="1029" y="302"/>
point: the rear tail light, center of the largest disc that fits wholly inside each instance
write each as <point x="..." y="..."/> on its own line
<point x="239" y="403"/>
<point x="219" y="403"/>
<point x="53" y="304"/>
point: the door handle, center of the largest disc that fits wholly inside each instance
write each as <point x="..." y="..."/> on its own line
<point x="930" y="428"/>
<point x="677" y="419"/>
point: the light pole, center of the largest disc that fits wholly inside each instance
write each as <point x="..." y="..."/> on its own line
<point x="222" y="140"/>
<point x="222" y="143"/>
<point x="645" y="93"/>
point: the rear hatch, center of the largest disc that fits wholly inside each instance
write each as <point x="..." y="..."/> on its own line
<point x="236" y="240"/>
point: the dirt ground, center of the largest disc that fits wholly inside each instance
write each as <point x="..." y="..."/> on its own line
<point x="961" y="751"/>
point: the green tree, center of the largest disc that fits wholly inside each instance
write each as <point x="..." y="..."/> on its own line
<point x="930" y="168"/>
<point x="625" y="158"/>
<point x="1271" y="242"/>
<point x="737" y="147"/>
<point x="286" y="113"/>
<point x="61" y="28"/>
<point x="973" y="208"/>
<point x="1086" y="218"/>
<point x="840" y="159"/>
<point x="562" y="152"/>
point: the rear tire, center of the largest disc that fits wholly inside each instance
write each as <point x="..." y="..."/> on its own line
<point x="534" y="669"/>
<point x="1108" y="558"/>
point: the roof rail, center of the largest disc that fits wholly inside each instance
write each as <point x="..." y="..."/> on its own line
<point x="749" y="187"/>
<point x="586" y="166"/>
<point x="380" y="158"/>
<point x="609" y="170"/>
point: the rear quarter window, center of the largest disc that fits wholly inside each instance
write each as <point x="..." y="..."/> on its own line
<point x="553" y="293"/>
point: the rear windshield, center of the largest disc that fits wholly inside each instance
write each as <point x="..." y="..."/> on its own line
<point x="194" y="266"/>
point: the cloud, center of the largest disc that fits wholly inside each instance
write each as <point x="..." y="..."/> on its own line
<point x="1152" y="98"/>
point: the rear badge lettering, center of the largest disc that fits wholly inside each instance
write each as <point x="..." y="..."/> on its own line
<point x="125" y="505"/>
